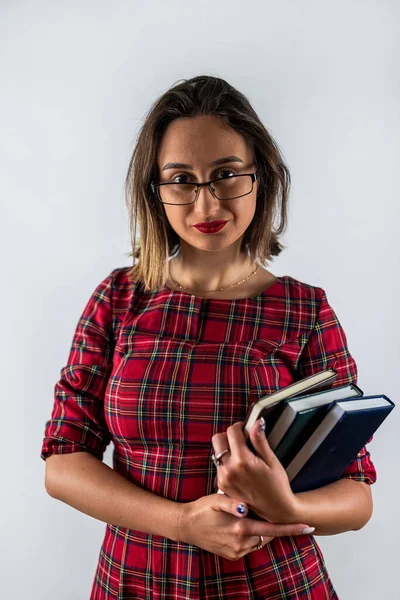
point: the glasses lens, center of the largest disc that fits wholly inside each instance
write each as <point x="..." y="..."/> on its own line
<point x="227" y="188"/>
<point x="177" y="193"/>
<point x="232" y="187"/>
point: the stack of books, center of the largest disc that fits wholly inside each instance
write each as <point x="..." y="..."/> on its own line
<point x="315" y="430"/>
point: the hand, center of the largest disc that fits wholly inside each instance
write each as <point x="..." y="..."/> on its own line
<point x="259" y="479"/>
<point x="213" y="523"/>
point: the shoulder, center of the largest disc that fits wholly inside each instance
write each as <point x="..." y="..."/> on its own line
<point x="300" y="290"/>
<point x="121" y="279"/>
<point x="305" y="303"/>
<point x="123" y="289"/>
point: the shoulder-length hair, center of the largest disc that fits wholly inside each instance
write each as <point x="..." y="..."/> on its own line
<point x="211" y="96"/>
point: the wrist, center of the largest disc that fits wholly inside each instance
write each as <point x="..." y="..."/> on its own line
<point x="292" y="512"/>
<point x="171" y="521"/>
<point x="289" y="514"/>
<point x="295" y="510"/>
<point x="180" y="522"/>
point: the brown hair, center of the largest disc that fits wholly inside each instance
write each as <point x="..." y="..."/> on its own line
<point x="211" y="96"/>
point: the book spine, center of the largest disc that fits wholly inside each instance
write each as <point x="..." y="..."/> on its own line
<point x="299" y="433"/>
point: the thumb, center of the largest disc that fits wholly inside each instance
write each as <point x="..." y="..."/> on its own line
<point x="260" y="442"/>
<point x="224" y="503"/>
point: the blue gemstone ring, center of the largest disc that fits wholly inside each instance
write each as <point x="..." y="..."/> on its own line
<point x="216" y="459"/>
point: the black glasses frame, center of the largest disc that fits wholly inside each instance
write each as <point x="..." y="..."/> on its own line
<point x="155" y="188"/>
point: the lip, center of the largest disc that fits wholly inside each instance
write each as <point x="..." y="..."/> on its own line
<point x="209" y="224"/>
<point x="210" y="227"/>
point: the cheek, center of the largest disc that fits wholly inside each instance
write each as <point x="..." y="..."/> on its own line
<point x="175" y="219"/>
<point x="243" y="208"/>
<point x="247" y="211"/>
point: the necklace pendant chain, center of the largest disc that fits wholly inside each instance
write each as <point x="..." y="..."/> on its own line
<point x="219" y="289"/>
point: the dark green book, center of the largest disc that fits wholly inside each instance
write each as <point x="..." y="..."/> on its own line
<point x="301" y="416"/>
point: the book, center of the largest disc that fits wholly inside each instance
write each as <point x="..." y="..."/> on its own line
<point x="336" y="441"/>
<point x="268" y="406"/>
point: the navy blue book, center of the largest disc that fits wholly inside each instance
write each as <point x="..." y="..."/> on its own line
<point x="336" y="441"/>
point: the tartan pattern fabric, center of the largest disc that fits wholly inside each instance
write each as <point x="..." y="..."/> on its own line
<point x="158" y="374"/>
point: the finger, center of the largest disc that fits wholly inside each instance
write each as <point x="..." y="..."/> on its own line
<point x="278" y="529"/>
<point x="254" y="541"/>
<point x="260" y="443"/>
<point x="236" y="440"/>
<point x="220" y="442"/>
<point x="229" y="505"/>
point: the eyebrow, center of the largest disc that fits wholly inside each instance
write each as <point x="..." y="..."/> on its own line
<point x="214" y="163"/>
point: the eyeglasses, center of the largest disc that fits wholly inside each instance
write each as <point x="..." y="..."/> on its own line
<point x="225" y="188"/>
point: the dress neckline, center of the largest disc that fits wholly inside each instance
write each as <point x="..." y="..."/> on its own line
<point x="194" y="298"/>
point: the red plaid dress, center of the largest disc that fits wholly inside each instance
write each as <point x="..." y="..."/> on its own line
<point x="158" y="374"/>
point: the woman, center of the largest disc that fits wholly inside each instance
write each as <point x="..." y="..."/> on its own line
<point x="169" y="354"/>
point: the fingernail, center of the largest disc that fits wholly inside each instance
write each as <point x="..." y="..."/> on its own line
<point x="308" y="530"/>
<point x="241" y="509"/>
<point x="262" y="424"/>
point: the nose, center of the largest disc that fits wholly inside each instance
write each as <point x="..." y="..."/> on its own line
<point x="206" y="201"/>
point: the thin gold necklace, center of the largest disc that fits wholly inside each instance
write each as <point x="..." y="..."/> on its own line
<point x="219" y="289"/>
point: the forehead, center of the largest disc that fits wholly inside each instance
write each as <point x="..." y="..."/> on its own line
<point x="198" y="139"/>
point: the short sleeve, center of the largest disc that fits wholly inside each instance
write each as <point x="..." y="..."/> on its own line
<point x="77" y="422"/>
<point x="326" y="347"/>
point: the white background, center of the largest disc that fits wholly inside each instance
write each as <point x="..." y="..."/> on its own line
<point x="76" y="81"/>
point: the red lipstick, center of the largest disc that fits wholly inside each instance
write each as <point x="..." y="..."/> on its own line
<point x="210" y="227"/>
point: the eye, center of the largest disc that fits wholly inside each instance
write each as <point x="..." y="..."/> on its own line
<point x="225" y="171"/>
<point x="180" y="180"/>
<point x="183" y="177"/>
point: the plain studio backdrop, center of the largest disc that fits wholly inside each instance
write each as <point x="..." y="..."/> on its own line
<point x="77" y="80"/>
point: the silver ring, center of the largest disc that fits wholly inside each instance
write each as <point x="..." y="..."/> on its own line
<point x="216" y="460"/>
<point x="260" y="545"/>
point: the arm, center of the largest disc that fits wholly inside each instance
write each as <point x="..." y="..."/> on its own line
<point x="92" y="487"/>
<point x="77" y="434"/>
<point x="345" y="505"/>
<point x="78" y="422"/>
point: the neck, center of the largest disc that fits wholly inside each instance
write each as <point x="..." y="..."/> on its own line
<point x="209" y="270"/>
